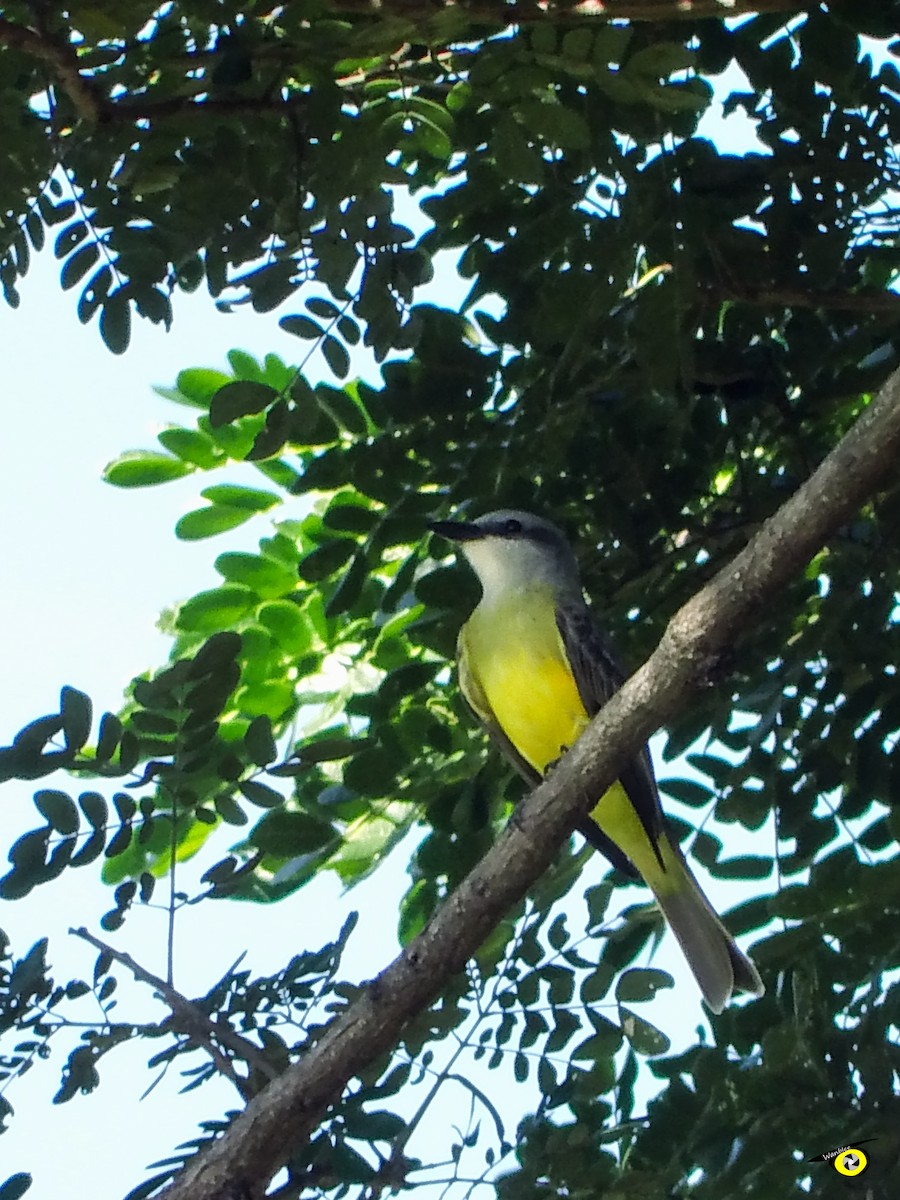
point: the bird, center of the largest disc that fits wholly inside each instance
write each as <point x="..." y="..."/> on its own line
<point x="535" y="667"/>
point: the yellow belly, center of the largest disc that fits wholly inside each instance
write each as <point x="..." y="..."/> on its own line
<point x="516" y="653"/>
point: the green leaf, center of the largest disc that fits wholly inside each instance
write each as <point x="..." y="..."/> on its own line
<point x="744" y="866"/>
<point x="556" y="124"/>
<point x="70" y="237"/>
<point x="335" y="354"/>
<point x="237" y="496"/>
<point x="239" y="398"/>
<point x="267" y="578"/>
<point x="611" y="43"/>
<point x="348" y="590"/>
<point x="198" y="385"/>
<point x="94" y="808"/>
<point x="349" y="1165"/>
<point x="300" y="326"/>
<point x="641" y="983"/>
<point x="602" y="1044"/>
<point x="661" y="60"/>
<point x="341" y="405"/>
<point x="76" y="711"/>
<point x="115" y="321"/>
<point x="597" y="899"/>
<point x="688" y="791"/>
<point x="577" y="44"/>
<point x="644" y="1037"/>
<point x="440" y="588"/>
<point x="218" y="608"/>
<point x="191" y="446"/>
<point x="350" y="518"/>
<point x="331" y="749"/>
<point x="325" y="560"/>
<point x="259" y="742"/>
<point x="378" y="1126"/>
<point x="349" y="330"/>
<point x="144" y="468"/>
<point x="207" y="522"/>
<point x="692" y="96"/>
<point x="58" y="810"/>
<point x="288" y="624"/>
<point x="78" y="265"/>
<point x="16" y="1186"/>
<point x="108" y="737"/>
<point x="373" y="772"/>
<point x="244" y="365"/>
<point x="515" y="158"/>
<point x="272" y="437"/>
<point x="260" y="794"/>
<point x="273" y="698"/>
<point x="287" y="834"/>
<point x="230" y="811"/>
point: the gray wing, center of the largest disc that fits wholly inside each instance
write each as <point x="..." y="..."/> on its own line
<point x="473" y="692"/>
<point x="598" y="675"/>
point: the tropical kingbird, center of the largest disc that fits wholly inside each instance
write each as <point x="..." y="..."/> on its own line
<point x="535" y="668"/>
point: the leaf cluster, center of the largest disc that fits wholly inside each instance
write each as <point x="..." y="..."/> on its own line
<point x="661" y="339"/>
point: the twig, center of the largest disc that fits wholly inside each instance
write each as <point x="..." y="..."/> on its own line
<point x="170" y="924"/>
<point x="193" y="1020"/>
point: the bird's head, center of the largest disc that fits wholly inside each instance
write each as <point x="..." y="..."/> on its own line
<point x="509" y="549"/>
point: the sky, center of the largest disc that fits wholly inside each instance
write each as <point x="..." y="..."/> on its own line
<point x="88" y="569"/>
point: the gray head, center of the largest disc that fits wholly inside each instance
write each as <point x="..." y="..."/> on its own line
<point x="511" y="549"/>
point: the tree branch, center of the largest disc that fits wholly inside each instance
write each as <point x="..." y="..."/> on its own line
<point x="858" y="302"/>
<point x="60" y="56"/>
<point x="193" y="1021"/>
<point x="521" y="12"/>
<point x="94" y="106"/>
<point x="260" y="1139"/>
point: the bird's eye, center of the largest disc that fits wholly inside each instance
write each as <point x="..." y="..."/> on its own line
<point x="512" y="526"/>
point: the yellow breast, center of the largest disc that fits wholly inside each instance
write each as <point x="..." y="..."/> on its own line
<point x="514" y="650"/>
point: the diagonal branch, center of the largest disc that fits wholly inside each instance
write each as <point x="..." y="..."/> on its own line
<point x="246" y="1157"/>
<point x="193" y="1021"/>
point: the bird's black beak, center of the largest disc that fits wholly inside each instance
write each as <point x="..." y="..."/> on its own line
<point x="456" y="531"/>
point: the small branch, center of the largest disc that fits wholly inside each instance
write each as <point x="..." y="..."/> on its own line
<point x="63" y="61"/>
<point x="857" y="302"/>
<point x="193" y="1020"/>
<point x="255" y="1146"/>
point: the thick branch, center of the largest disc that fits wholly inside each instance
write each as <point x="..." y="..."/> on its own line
<point x="193" y="1020"/>
<point x="245" y="1158"/>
